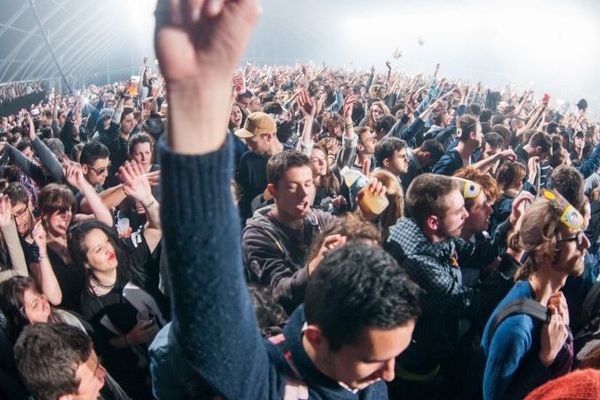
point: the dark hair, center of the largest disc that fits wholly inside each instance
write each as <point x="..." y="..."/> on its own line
<point x="386" y="148"/>
<point x="12" y="302"/>
<point x="438" y="118"/>
<point x="53" y="197"/>
<point x="56" y="146"/>
<point x="385" y="124"/>
<point x="433" y="147"/>
<point x="358" y="112"/>
<point x="357" y="287"/>
<point x="125" y="113"/>
<point x="569" y="182"/>
<point x="497" y="119"/>
<point x="465" y="125"/>
<point x="77" y="234"/>
<point x="494" y="139"/>
<point x="485" y="116"/>
<point x="552" y="128"/>
<point x="474" y="109"/>
<point x="426" y="196"/>
<point x="17" y="193"/>
<point x="509" y="175"/>
<point x="92" y="151"/>
<point x="502" y="131"/>
<point x="23" y="144"/>
<point x="280" y="163"/>
<point x="139" y="138"/>
<point x="273" y="108"/>
<point x="541" y="139"/>
<point x="268" y="312"/>
<point x="47" y="357"/>
<point x="285" y="130"/>
<point x="329" y="182"/>
<point x="582" y="104"/>
<point x="242" y="111"/>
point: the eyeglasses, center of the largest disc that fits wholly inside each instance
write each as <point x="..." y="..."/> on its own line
<point x="35" y="304"/>
<point x="579" y="236"/>
<point x="21" y="213"/>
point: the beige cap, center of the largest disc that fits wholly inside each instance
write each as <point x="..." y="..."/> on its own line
<point x="257" y="123"/>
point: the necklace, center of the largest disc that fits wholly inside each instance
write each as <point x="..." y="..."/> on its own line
<point x="99" y="284"/>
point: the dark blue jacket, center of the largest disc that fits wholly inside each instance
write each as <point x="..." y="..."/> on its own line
<point x="214" y="321"/>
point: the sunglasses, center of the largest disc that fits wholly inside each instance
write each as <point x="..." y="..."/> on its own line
<point x="100" y="171"/>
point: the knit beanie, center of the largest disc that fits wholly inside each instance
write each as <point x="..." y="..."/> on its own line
<point x="579" y="385"/>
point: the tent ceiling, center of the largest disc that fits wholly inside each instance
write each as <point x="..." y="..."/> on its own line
<point x="87" y="37"/>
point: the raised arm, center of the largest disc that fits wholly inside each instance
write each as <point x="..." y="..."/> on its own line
<point x="136" y="185"/>
<point x="74" y="176"/>
<point x="11" y="237"/>
<point x="198" y="51"/>
<point x="42" y="270"/>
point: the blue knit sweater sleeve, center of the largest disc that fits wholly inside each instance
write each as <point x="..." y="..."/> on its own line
<point x="214" y="321"/>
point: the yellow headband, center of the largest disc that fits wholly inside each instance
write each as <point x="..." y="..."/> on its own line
<point x="570" y="217"/>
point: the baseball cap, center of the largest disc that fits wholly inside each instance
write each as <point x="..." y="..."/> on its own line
<point x="257" y="123"/>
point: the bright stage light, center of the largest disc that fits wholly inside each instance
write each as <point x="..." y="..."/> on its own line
<point x="509" y="40"/>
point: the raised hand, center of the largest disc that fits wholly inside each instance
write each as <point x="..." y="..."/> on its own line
<point x="348" y="106"/>
<point x="329" y="243"/>
<point x="74" y="175"/>
<point x="135" y="182"/>
<point x="5" y="211"/>
<point x="39" y="236"/>
<point x="199" y="43"/>
<point x="307" y="105"/>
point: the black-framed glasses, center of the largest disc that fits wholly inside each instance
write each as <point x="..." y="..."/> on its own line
<point x="578" y="237"/>
<point x="21" y="213"/>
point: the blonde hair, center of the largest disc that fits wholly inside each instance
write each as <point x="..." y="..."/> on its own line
<point x="539" y="233"/>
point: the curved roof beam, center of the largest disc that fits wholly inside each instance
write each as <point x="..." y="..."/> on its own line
<point x="27" y="37"/>
<point x="93" y="53"/>
<point x="34" y="70"/>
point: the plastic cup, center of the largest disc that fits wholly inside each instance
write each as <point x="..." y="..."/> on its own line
<point x="122" y="225"/>
<point x="372" y="203"/>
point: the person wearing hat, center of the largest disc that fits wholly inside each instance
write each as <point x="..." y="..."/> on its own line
<point x="260" y="133"/>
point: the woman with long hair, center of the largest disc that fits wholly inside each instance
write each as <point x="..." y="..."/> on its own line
<point x="49" y="257"/>
<point x="120" y="298"/>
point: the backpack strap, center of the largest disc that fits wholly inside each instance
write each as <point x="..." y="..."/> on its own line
<point x="295" y="388"/>
<point x="521" y="306"/>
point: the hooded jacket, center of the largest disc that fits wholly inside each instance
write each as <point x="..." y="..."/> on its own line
<point x="274" y="259"/>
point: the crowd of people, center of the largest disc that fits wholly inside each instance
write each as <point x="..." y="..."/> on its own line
<point x="16" y="90"/>
<point x="224" y="232"/>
